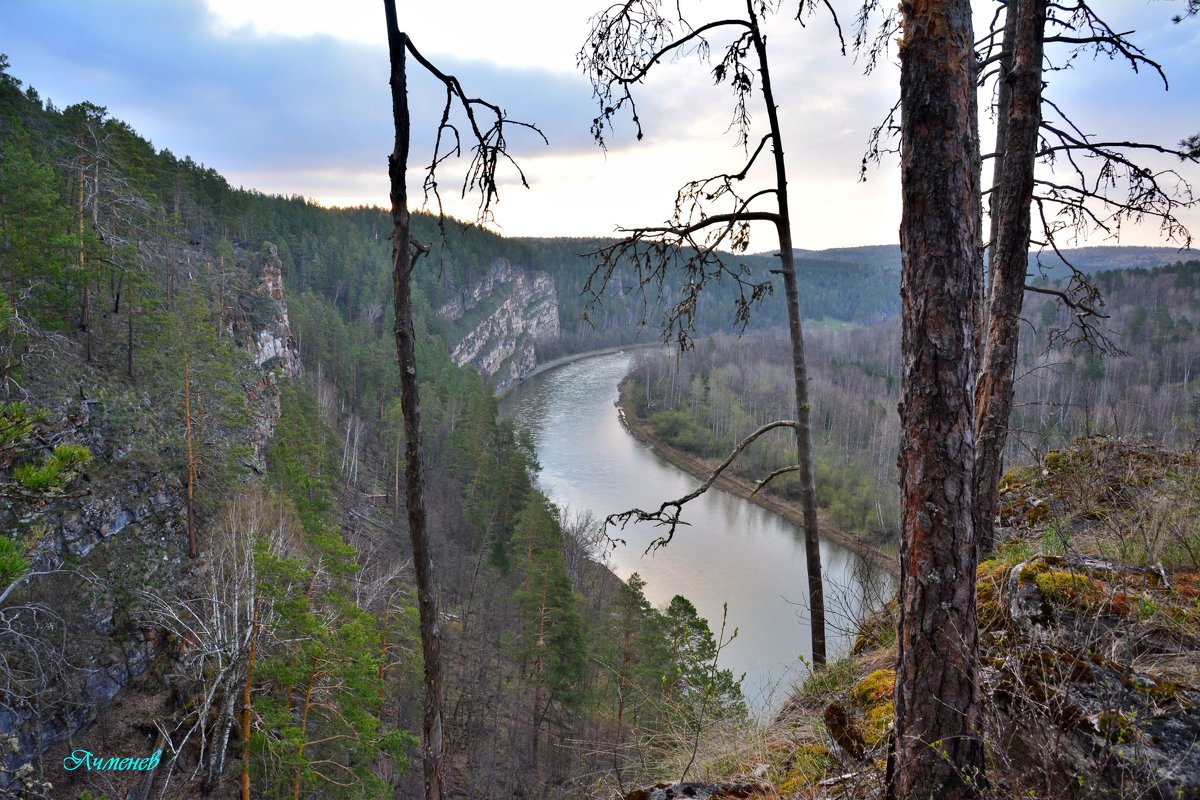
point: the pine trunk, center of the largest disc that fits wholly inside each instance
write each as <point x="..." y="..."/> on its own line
<point x="938" y="744"/>
<point x="787" y="266"/>
<point x="1020" y="106"/>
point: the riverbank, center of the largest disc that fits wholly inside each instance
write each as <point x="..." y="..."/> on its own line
<point x="558" y="362"/>
<point x="701" y="468"/>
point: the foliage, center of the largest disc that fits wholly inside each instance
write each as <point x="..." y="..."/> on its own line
<point x="56" y="470"/>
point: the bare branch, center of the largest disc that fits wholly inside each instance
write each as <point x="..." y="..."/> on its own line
<point x="808" y="5"/>
<point x="1066" y="300"/>
<point x="669" y="512"/>
<point x="772" y="476"/>
<point x="489" y="147"/>
<point x="877" y="142"/>
<point x="626" y="41"/>
<point x="1097" y="33"/>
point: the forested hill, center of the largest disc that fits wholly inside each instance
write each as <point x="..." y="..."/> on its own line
<point x="1088" y="260"/>
<point x="200" y="445"/>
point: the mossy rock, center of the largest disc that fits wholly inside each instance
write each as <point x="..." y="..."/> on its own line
<point x="873" y="689"/>
<point x="1067" y="588"/>
<point x="809" y="763"/>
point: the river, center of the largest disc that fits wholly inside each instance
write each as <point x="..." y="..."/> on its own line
<point x="733" y="552"/>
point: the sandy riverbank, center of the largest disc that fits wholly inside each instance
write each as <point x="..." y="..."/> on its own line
<point x="701" y="468"/>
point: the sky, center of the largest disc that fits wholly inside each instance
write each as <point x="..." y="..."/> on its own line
<point x="291" y="97"/>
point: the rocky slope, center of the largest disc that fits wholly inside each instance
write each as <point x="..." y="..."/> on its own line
<point x="74" y="632"/>
<point x="1090" y="645"/>
<point x="503" y="316"/>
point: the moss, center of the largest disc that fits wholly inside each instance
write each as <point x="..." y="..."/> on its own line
<point x="1066" y="588"/>
<point x="1017" y="477"/>
<point x="1162" y="690"/>
<point x="877" y="722"/>
<point x="809" y="763"/>
<point x="873" y="689"/>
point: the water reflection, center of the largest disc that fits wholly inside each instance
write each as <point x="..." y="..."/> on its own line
<point x="732" y="551"/>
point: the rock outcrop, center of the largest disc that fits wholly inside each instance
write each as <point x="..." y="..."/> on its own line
<point x="273" y="344"/>
<point x="1083" y="660"/>
<point x="504" y="316"/>
<point x="76" y="631"/>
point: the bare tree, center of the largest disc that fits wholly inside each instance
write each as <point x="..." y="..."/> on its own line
<point x="218" y="630"/>
<point x="489" y="148"/>
<point x="1108" y="185"/>
<point x="938" y="746"/>
<point x="626" y="42"/>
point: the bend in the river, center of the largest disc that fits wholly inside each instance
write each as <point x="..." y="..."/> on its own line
<point x="732" y="552"/>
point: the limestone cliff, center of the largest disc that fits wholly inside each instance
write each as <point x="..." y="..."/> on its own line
<point x="272" y="344"/>
<point x="76" y="629"/>
<point x="502" y="317"/>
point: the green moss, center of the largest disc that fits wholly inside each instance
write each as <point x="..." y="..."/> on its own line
<point x="1163" y="691"/>
<point x="873" y="689"/>
<point x="809" y="764"/>
<point x="1066" y="588"/>
<point x="877" y="722"/>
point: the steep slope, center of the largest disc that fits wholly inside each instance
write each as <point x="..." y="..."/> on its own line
<point x="502" y="317"/>
<point x="87" y="628"/>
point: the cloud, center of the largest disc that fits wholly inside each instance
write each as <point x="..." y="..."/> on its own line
<point x="310" y="114"/>
<point x="250" y="104"/>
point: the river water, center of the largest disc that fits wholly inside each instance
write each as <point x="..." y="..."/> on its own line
<point x="733" y="552"/>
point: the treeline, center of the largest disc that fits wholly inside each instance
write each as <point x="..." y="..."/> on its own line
<point x="1134" y="372"/>
<point x="709" y="399"/>
<point x="832" y="289"/>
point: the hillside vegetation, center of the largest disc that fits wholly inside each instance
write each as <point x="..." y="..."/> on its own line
<point x="1090" y="620"/>
<point x="201" y="450"/>
<point x="1137" y="374"/>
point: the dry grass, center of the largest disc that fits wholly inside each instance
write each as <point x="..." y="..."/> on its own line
<point x="1105" y="539"/>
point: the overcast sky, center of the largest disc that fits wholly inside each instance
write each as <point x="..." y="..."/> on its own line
<point x="291" y="97"/>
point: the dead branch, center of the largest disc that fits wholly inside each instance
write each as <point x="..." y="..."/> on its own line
<point x="772" y="476"/>
<point x="669" y="512"/>
<point x="489" y="147"/>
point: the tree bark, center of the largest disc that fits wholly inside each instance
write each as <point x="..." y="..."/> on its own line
<point x="191" y="460"/>
<point x="1019" y="117"/>
<point x="402" y="266"/>
<point x="938" y="744"/>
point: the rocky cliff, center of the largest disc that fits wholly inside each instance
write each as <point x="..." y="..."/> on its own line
<point x="502" y="317"/>
<point x="75" y="629"/>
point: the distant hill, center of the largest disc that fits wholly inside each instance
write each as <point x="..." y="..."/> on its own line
<point x="1088" y="260"/>
<point x="1091" y="260"/>
<point x="886" y="256"/>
